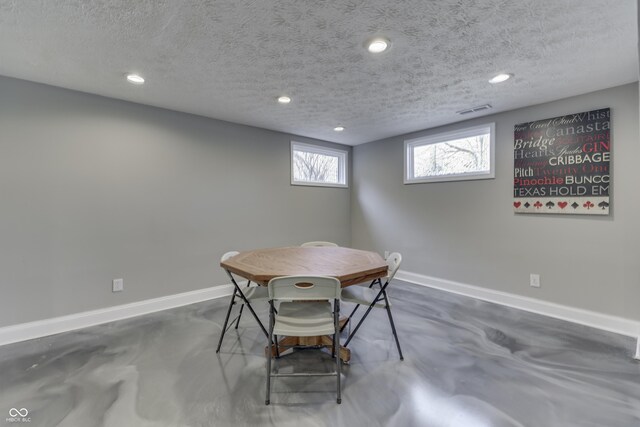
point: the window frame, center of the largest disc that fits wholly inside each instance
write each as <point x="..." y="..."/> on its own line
<point x="410" y="144"/>
<point x="343" y="166"/>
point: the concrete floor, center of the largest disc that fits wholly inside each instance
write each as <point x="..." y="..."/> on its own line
<point x="467" y="363"/>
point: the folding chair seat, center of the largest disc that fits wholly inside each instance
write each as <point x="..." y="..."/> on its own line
<point x="375" y="296"/>
<point x="305" y="310"/>
<point x="318" y="244"/>
<point x="251" y="293"/>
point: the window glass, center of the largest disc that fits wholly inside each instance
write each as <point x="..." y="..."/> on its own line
<point x="451" y="156"/>
<point x="315" y="165"/>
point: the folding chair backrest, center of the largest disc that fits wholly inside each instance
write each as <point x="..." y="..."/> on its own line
<point x="304" y="288"/>
<point x="228" y="255"/>
<point x="318" y="244"/>
<point x="393" y="261"/>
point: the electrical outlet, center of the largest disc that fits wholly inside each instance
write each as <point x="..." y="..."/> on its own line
<point x="534" y="280"/>
<point x="386" y="254"/>
<point x="118" y="285"/>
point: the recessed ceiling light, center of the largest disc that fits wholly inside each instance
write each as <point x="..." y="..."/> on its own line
<point x="284" y="100"/>
<point x="378" y="45"/>
<point x="338" y="128"/>
<point x="500" y="78"/>
<point x="135" y="79"/>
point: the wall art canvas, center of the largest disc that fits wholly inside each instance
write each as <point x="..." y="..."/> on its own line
<point x="562" y="165"/>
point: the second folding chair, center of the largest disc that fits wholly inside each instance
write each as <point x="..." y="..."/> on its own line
<point x="251" y="293"/>
<point x="375" y="296"/>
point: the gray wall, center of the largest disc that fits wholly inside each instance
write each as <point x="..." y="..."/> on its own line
<point x="466" y="231"/>
<point x="94" y="189"/>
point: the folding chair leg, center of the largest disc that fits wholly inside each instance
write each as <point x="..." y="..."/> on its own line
<point x="336" y="348"/>
<point x="349" y="318"/>
<point x="269" y="357"/>
<point x="239" y="316"/>
<point x="242" y="306"/>
<point x="238" y="291"/>
<point x="358" y="325"/>
<point x="226" y="320"/>
<point x="333" y="347"/>
<point x="255" y="316"/>
<point x="358" y="305"/>
<point x="395" y="334"/>
<point x="393" y="326"/>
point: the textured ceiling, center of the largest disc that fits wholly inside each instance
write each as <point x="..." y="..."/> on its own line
<point x="231" y="59"/>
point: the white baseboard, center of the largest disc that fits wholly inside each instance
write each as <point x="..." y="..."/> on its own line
<point x="594" y="319"/>
<point x="56" y="325"/>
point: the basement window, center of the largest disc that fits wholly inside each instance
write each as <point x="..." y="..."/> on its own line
<point x="463" y="154"/>
<point x="318" y="166"/>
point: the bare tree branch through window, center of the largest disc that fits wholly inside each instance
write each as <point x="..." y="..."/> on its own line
<point x="450" y="156"/>
<point x="318" y="165"/>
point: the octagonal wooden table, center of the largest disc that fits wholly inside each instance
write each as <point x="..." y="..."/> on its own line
<point x="349" y="266"/>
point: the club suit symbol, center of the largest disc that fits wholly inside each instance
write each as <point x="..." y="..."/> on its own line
<point x="23" y="412"/>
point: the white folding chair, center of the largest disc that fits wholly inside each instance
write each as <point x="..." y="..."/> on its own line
<point x="373" y="298"/>
<point x="318" y="244"/>
<point x="305" y="310"/>
<point x="252" y="293"/>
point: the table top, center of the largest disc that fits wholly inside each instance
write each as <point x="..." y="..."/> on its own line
<point x="350" y="266"/>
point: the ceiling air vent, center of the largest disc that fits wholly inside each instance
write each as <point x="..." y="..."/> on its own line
<point x="474" y="109"/>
